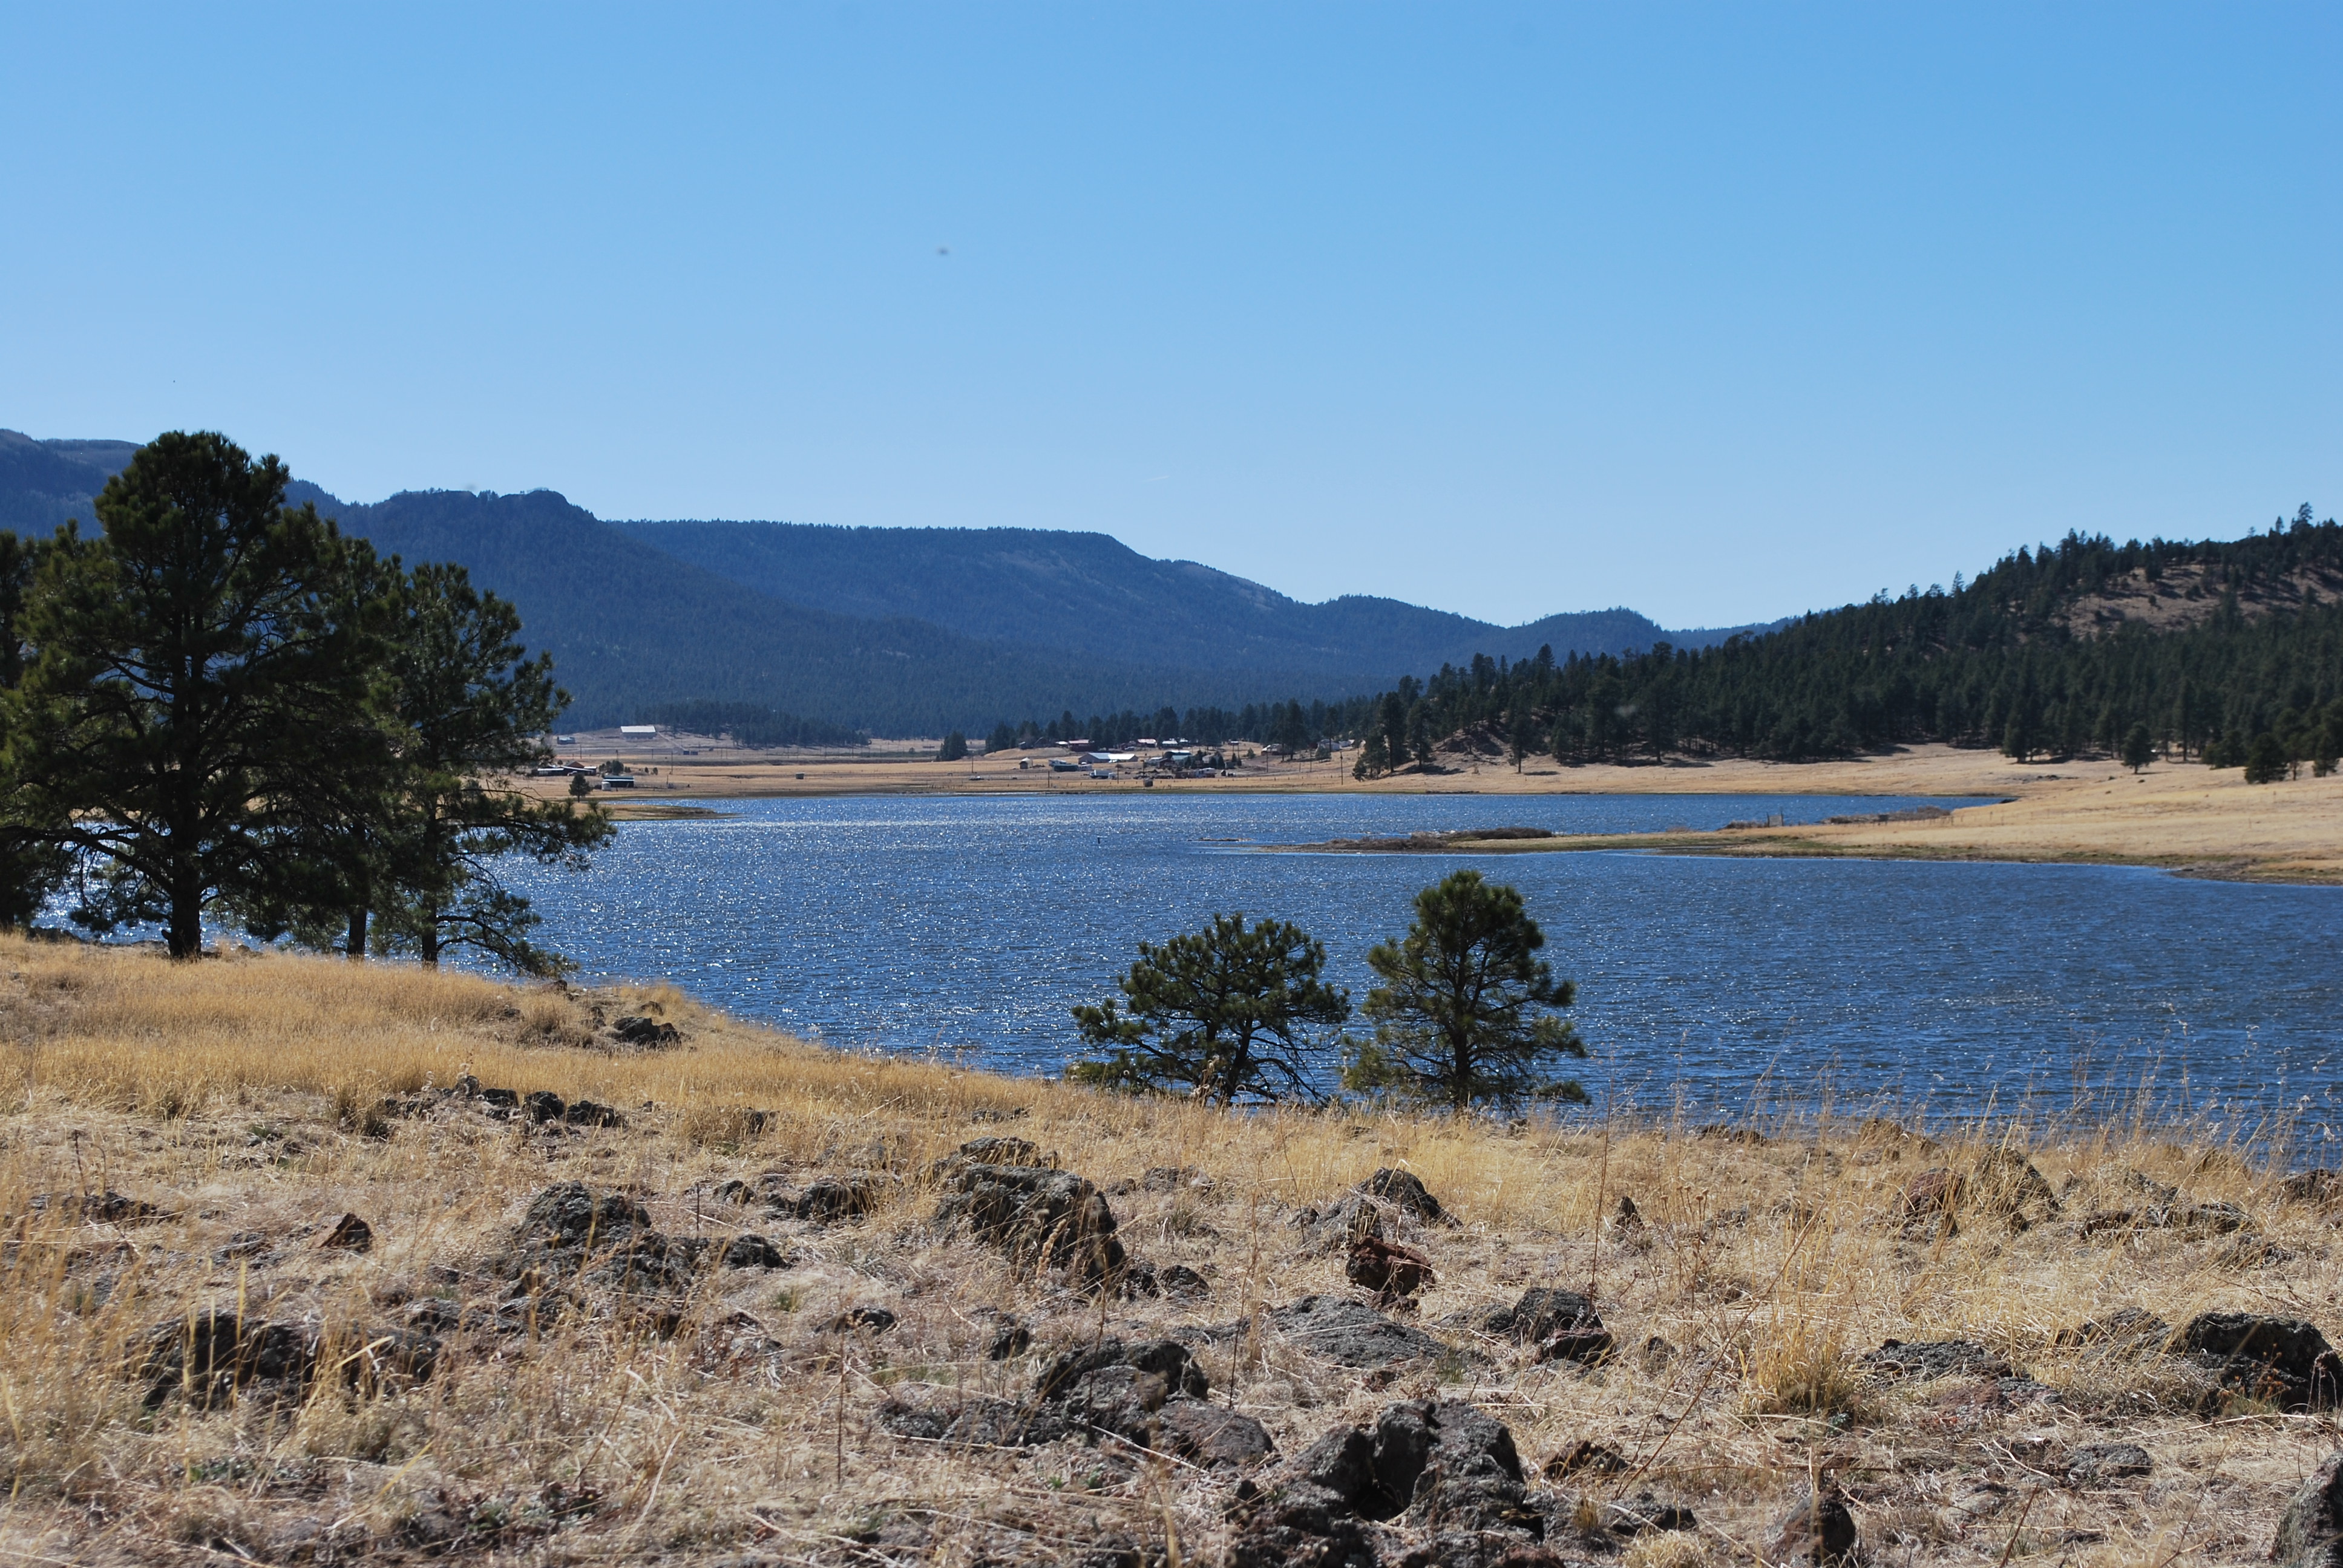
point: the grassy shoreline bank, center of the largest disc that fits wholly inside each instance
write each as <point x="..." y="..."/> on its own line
<point x="771" y="1412"/>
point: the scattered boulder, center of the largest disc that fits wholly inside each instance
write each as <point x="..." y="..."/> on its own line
<point x="1349" y="1333"/>
<point x="2310" y="1531"/>
<point x="748" y="1251"/>
<point x="569" y="1232"/>
<point x="1447" y="1466"/>
<point x="640" y="1033"/>
<point x="2283" y="1362"/>
<point x="351" y="1234"/>
<point x="587" y="1113"/>
<point x="1182" y="1281"/>
<point x="499" y="1099"/>
<point x="1038" y="1216"/>
<point x="2319" y="1186"/>
<point x="1922" y="1360"/>
<point x="543" y="1106"/>
<point x="1562" y="1324"/>
<point x="1388" y="1270"/>
<point x="1815" y="1529"/>
<point x="1403" y="1191"/>
<point x="215" y="1356"/>
<point x="2098" y="1462"/>
<point x="850" y="1196"/>
<point x="1166" y="1360"/>
<point x="1205" y="1433"/>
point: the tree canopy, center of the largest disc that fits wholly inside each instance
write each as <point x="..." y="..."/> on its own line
<point x="1227" y="1014"/>
<point x="1454" y="1017"/>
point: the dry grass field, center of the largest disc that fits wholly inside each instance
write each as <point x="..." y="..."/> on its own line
<point x="178" y="1143"/>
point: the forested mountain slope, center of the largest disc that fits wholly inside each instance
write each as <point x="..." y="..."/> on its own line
<point x="2205" y="646"/>
<point x="42" y="483"/>
<point x="1093" y="594"/>
<point x="633" y="628"/>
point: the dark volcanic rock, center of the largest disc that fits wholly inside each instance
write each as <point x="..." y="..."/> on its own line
<point x="1036" y="1216"/>
<point x="1403" y="1191"/>
<point x="586" y="1113"/>
<point x="754" y="1252"/>
<point x="1447" y="1466"/>
<point x="1814" y="1530"/>
<point x="1349" y="1334"/>
<point x="2283" y="1362"/>
<point x="1206" y="1434"/>
<point x="1166" y="1359"/>
<point x="1925" y="1358"/>
<point x="543" y="1106"/>
<point x="213" y="1356"/>
<point x="644" y="1033"/>
<point x="567" y="1215"/>
<point x="350" y="1234"/>
<point x="2311" y="1532"/>
<point x="1010" y="1338"/>
<point x="843" y="1197"/>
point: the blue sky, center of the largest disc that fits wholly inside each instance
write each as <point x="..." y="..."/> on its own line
<point x="1721" y="312"/>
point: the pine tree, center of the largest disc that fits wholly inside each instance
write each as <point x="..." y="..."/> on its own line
<point x="1454" y="1024"/>
<point x="2138" y="749"/>
<point x="198" y="671"/>
<point x="1224" y="1014"/>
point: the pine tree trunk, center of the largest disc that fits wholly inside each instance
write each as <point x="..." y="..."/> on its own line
<point x="355" y="947"/>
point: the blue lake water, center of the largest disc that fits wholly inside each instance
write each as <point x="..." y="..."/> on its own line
<point x="968" y="927"/>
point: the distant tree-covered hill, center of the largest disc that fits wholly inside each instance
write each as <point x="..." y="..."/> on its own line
<point x="1092" y="594"/>
<point x="2206" y="646"/>
<point x="893" y="631"/>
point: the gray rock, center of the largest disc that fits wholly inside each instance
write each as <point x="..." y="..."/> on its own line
<point x="847" y="1196"/>
<point x="1036" y="1216"/>
<point x="644" y="1033"/>
<point x="754" y="1252"/>
<point x="1814" y="1530"/>
<point x="2310" y="1531"/>
<point x="1447" y="1466"/>
<point x="1351" y="1334"/>
<point x="1645" y="1514"/>
<point x="1206" y="1434"/>
<point x="1183" y="1281"/>
<point x="1168" y="1360"/>
<point x="1406" y="1191"/>
<point x="2283" y="1362"/>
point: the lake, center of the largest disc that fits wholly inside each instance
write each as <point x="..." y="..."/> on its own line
<point x="968" y="927"/>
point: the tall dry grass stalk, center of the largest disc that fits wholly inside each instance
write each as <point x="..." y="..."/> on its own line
<point x="240" y="1098"/>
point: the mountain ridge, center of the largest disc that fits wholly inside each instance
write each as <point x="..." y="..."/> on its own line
<point x="902" y="630"/>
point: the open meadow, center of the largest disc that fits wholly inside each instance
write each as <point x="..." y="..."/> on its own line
<point x="778" y="1318"/>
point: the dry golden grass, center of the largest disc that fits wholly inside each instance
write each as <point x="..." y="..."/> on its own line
<point x="239" y="1097"/>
